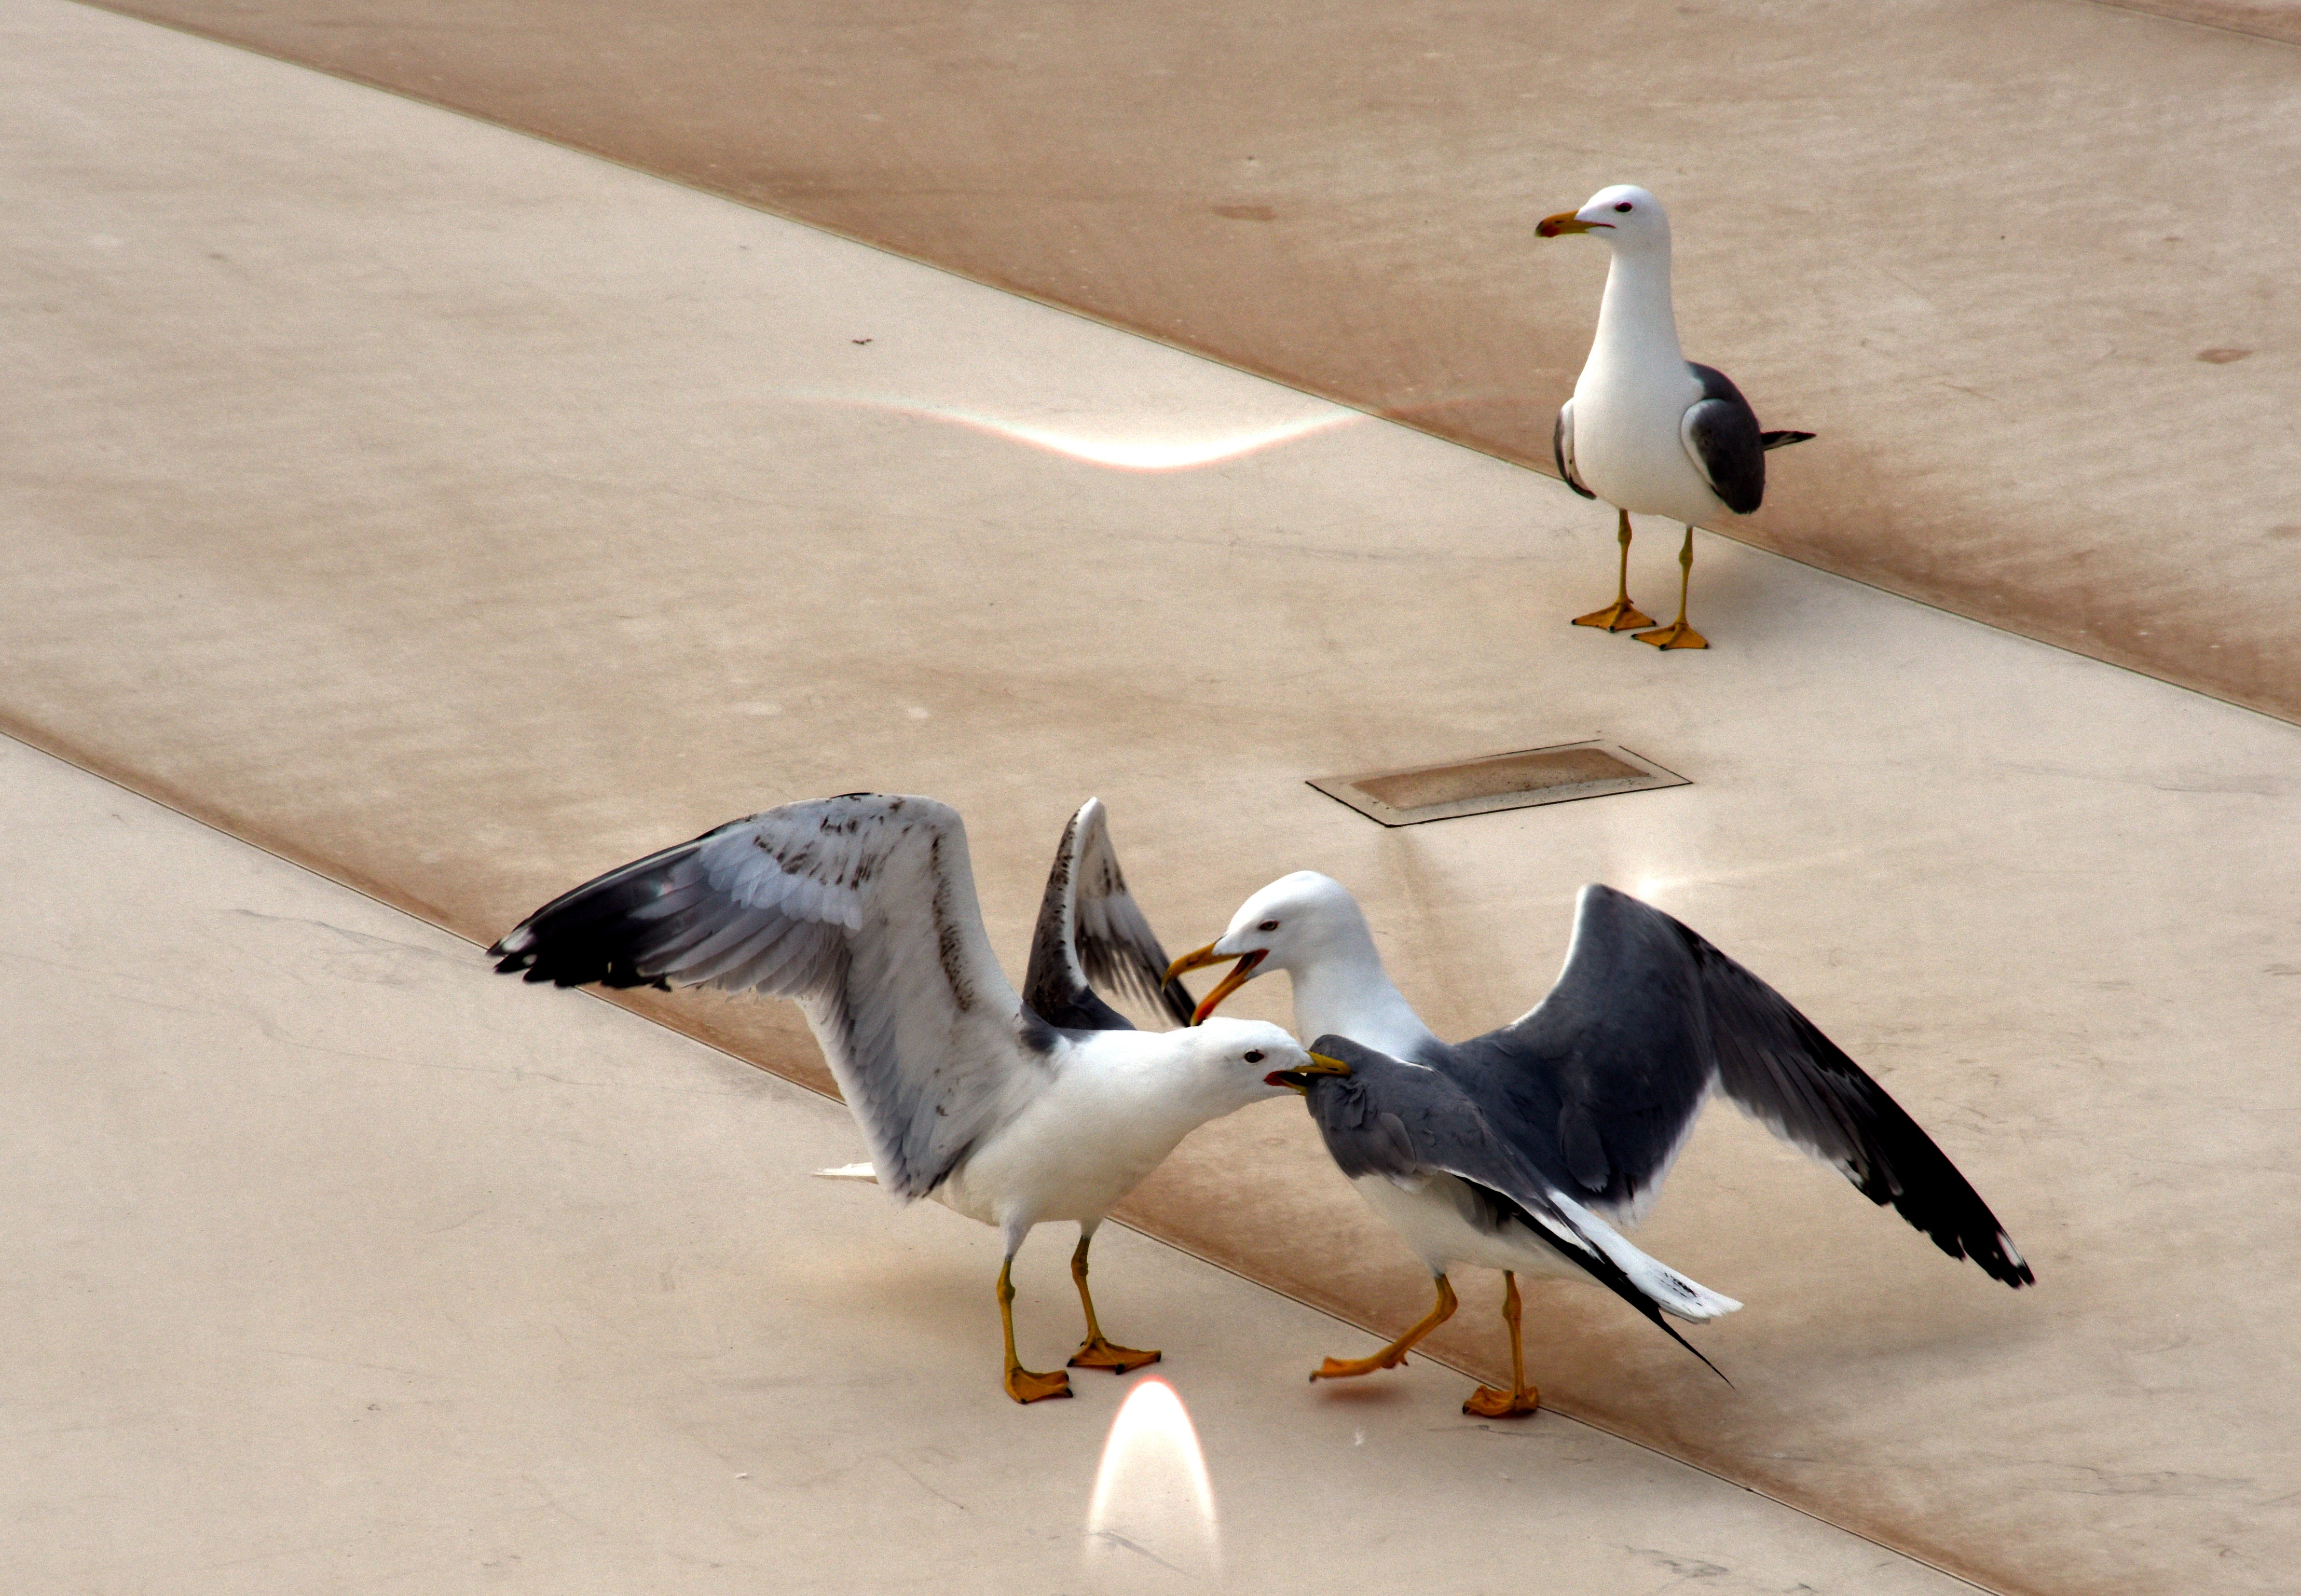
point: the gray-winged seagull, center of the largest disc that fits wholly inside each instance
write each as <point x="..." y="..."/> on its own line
<point x="1514" y="1149"/>
<point x="1647" y="429"/>
<point x="1012" y="1109"/>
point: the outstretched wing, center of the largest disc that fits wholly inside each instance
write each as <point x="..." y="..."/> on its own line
<point x="1408" y="1123"/>
<point x="1720" y="434"/>
<point x="1562" y="447"/>
<point x="1778" y="1068"/>
<point x="862" y="909"/>
<point x="1092" y="933"/>
<point x="1602" y="1079"/>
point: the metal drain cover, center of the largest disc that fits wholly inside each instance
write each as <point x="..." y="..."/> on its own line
<point x="1519" y="781"/>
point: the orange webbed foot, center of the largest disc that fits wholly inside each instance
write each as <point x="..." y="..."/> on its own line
<point x="1487" y="1402"/>
<point x="1096" y="1353"/>
<point x="1027" y="1385"/>
<point x="1351" y="1368"/>
<point x="1618" y="616"/>
<point x="1677" y="634"/>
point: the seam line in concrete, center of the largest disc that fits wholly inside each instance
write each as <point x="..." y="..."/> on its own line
<point x="2143" y="8"/>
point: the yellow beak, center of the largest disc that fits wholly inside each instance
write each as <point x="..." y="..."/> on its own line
<point x="1197" y="960"/>
<point x="1241" y="973"/>
<point x="1297" y="1080"/>
<point x="1565" y="222"/>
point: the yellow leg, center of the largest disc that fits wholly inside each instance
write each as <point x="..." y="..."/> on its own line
<point x="1677" y="634"/>
<point x="1395" y="1354"/>
<point x="1521" y="1399"/>
<point x="1022" y="1383"/>
<point x="1621" y="614"/>
<point x="1095" y="1352"/>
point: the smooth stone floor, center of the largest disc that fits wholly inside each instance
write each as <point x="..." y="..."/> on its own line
<point x="335" y="1265"/>
<point x="463" y="515"/>
<point x="2025" y="265"/>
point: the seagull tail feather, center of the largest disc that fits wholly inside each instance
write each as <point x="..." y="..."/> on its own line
<point x="1660" y="1289"/>
<point x="1646" y="1284"/>
<point x="1674" y="1294"/>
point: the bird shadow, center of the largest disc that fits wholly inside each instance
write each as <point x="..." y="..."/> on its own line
<point x="1366" y="1394"/>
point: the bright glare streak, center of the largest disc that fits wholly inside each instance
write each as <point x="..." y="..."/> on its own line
<point x="1153" y="1509"/>
<point x="1143" y="448"/>
<point x="1650" y="883"/>
<point x="1146" y="453"/>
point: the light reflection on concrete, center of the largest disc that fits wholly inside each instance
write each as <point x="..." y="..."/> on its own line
<point x="1124" y="444"/>
<point x="1151" y="1523"/>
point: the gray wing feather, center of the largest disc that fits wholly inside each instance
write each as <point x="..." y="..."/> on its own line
<point x="1092" y="933"/>
<point x="1611" y="1069"/>
<point x="1778" y="1068"/>
<point x="1720" y="434"/>
<point x="1562" y="447"/>
<point x="1600" y="1081"/>
<point x="862" y="909"/>
<point x="1389" y="1119"/>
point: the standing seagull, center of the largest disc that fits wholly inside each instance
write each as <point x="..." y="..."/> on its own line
<point x="862" y="909"/>
<point x="1506" y="1150"/>
<point x="1648" y="430"/>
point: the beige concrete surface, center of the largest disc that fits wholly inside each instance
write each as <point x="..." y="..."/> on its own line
<point x="2025" y="265"/>
<point x="464" y="515"/>
<point x="335" y="1265"/>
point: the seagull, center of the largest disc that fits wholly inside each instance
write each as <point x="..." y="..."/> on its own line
<point x="1012" y="1109"/>
<point x="1521" y="1148"/>
<point x="1648" y="430"/>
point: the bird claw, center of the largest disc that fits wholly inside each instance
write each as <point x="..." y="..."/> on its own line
<point x="1096" y="1353"/>
<point x="1487" y="1402"/>
<point x="1027" y="1385"/>
<point x="1677" y="634"/>
<point x="1618" y="616"/>
<point x="1351" y="1368"/>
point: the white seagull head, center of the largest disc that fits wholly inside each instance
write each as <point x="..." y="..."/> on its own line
<point x="1626" y="219"/>
<point x="1232" y="1061"/>
<point x="1296" y="920"/>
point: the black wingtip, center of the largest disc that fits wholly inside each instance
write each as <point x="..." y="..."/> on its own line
<point x="2005" y="1264"/>
<point x="1177" y="999"/>
<point x="1889" y="1159"/>
<point x="1651" y="1311"/>
<point x="1996" y="1257"/>
<point x="1690" y="1347"/>
<point x="569" y="958"/>
<point x="1597" y="1265"/>
<point x="1619" y="1281"/>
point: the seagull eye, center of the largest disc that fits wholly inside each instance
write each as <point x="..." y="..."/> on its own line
<point x="1254" y="1056"/>
<point x="1268" y="925"/>
<point x="1626" y="205"/>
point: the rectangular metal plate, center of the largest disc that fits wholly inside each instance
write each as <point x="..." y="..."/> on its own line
<point x="1515" y="781"/>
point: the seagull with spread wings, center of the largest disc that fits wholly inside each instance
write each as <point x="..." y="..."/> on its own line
<point x="1012" y="1108"/>
<point x="1520" y="1149"/>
